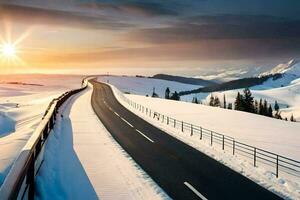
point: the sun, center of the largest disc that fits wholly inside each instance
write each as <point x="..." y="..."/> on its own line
<point x="8" y="50"/>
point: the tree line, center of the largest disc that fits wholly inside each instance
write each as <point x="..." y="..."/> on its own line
<point x="243" y="102"/>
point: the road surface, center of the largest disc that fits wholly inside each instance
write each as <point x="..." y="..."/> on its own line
<point x="180" y="170"/>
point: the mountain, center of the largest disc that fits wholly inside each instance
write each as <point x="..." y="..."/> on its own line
<point x="292" y="67"/>
<point x="288" y="72"/>
<point x="235" y="84"/>
<point x="186" y="80"/>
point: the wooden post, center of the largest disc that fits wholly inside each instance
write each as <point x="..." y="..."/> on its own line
<point x="191" y="129"/>
<point x="181" y="126"/>
<point x="168" y="120"/>
<point x="174" y="123"/>
<point x="211" y="138"/>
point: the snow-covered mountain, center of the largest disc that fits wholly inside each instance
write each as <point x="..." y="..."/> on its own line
<point x="291" y="67"/>
<point x="289" y="73"/>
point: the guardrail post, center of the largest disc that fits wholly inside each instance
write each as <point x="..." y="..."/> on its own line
<point x="174" y="123"/>
<point x="211" y="138"/>
<point x="277" y="164"/>
<point x="168" y="120"/>
<point x="200" y="133"/>
<point x="223" y="142"/>
<point x="233" y="146"/>
<point x="191" y="129"/>
<point x="30" y="179"/>
<point x="181" y="126"/>
<point x="254" y="157"/>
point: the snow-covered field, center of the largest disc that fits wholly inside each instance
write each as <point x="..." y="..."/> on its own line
<point x="22" y="107"/>
<point x="144" y="86"/>
<point x="83" y="161"/>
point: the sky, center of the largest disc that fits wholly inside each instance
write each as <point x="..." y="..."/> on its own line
<point x="185" y="37"/>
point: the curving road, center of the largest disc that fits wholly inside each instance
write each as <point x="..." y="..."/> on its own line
<point x="183" y="172"/>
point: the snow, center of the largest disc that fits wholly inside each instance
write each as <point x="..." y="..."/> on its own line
<point x="83" y="161"/>
<point x="278" y="136"/>
<point x="144" y="86"/>
<point x="22" y="107"/>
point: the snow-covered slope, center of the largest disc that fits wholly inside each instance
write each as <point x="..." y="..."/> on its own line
<point x="144" y="86"/>
<point x="22" y="108"/>
<point x="289" y="72"/>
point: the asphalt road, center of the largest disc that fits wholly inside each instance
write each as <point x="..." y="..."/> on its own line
<point x="180" y="170"/>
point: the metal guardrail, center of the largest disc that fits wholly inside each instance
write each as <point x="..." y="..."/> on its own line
<point x="19" y="182"/>
<point x="258" y="155"/>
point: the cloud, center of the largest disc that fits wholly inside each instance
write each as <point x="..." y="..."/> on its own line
<point x="35" y="15"/>
<point x="220" y="27"/>
<point x="146" y="9"/>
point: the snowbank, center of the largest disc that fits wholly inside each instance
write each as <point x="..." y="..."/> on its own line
<point x="83" y="161"/>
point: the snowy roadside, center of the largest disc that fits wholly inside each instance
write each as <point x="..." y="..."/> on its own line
<point x="83" y="161"/>
<point x="22" y="107"/>
<point x="284" y="186"/>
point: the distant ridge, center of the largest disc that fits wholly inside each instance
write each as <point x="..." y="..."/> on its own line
<point x="235" y="84"/>
<point x="193" y="81"/>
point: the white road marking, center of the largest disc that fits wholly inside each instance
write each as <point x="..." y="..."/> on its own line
<point x="195" y="191"/>
<point x="144" y="136"/>
<point x="126" y="122"/>
<point x="117" y="114"/>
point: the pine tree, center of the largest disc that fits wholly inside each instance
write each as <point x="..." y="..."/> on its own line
<point x="256" y="107"/>
<point x="265" y="108"/>
<point x="211" y="100"/>
<point x="238" y="102"/>
<point x="270" y="111"/>
<point x="248" y="101"/>
<point x="224" y="101"/>
<point x="175" y="96"/>
<point x="195" y="100"/>
<point x="167" y="93"/>
<point x="276" y="106"/>
<point x="292" y="119"/>
<point x="230" y="106"/>
<point x="154" y="94"/>
<point x="260" y="107"/>
<point x="217" y="102"/>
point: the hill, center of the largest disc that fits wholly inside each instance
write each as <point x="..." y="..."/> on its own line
<point x="186" y="80"/>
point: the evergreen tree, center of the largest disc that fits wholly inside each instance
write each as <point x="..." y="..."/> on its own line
<point x="217" y="102"/>
<point x="276" y="106"/>
<point x="195" y="100"/>
<point x="265" y="108"/>
<point x="175" y="96"/>
<point x="167" y="93"/>
<point x="260" y="107"/>
<point x="270" y="111"/>
<point x="248" y="101"/>
<point x="292" y="118"/>
<point x="256" y="107"/>
<point x="230" y="106"/>
<point x="238" y="102"/>
<point x="154" y="94"/>
<point x="211" y="100"/>
<point x="224" y="101"/>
